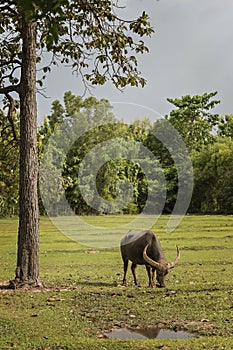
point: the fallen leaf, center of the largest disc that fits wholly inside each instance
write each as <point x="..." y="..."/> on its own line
<point x="50" y="300"/>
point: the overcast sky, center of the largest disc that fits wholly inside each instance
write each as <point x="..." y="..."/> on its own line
<point x="191" y="52"/>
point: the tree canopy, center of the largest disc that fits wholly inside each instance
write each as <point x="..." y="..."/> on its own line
<point x="193" y="119"/>
<point x="88" y="36"/>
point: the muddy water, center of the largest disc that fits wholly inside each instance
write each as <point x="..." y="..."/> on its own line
<point x="148" y="333"/>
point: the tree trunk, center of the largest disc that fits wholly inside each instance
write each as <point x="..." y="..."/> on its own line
<point x="27" y="271"/>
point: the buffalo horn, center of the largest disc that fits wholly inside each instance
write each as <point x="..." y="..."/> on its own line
<point x="149" y="260"/>
<point x="173" y="264"/>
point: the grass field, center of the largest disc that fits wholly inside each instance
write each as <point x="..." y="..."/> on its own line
<point x="84" y="298"/>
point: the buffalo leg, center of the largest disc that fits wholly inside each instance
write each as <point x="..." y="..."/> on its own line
<point x="153" y="276"/>
<point x="125" y="272"/>
<point x="150" y="275"/>
<point x="133" y="268"/>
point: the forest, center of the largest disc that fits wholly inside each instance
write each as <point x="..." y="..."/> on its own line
<point x="208" y="138"/>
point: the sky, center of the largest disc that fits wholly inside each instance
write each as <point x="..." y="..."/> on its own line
<point x="191" y="52"/>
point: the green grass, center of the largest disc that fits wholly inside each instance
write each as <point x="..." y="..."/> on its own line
<point x="85" y="299"/>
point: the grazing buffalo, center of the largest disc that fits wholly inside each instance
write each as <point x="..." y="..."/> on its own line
<point x="144" y="248"/>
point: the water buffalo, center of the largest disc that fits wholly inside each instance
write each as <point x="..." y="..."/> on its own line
<point x="144" y="248"/>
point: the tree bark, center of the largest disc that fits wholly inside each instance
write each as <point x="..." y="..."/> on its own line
<point x="27" y="270"/>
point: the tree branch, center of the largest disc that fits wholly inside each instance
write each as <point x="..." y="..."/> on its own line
<point x="11" y="88"/>
<point x="10" y="113"/>
<point x="6" y="63"/>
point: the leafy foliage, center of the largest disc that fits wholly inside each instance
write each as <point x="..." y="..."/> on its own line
<point x="193" y="120"/>
<point x="164" y="157"/>
<point x="213" y="167"/>
<point x="121" y="164"/>
<point x="88" y="36"/>
<point x="9" y="166"/>
<point x="226" y="126"/>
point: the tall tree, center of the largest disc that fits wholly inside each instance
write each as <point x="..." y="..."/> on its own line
<point x="95" y="42"/>
<point x="193" y="120"/>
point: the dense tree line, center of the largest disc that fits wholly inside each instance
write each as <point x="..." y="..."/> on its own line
<point x="208" y="138"/>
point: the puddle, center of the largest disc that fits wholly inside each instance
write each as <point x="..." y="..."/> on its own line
<point x="148" y="333"/>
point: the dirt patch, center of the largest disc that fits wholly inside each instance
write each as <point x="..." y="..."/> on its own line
<point x="202" y="327"/>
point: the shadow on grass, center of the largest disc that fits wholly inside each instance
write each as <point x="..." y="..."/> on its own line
<point x="9" y="286"/>
<point x="96" y="284"/>
<point x="6" y="285"/>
